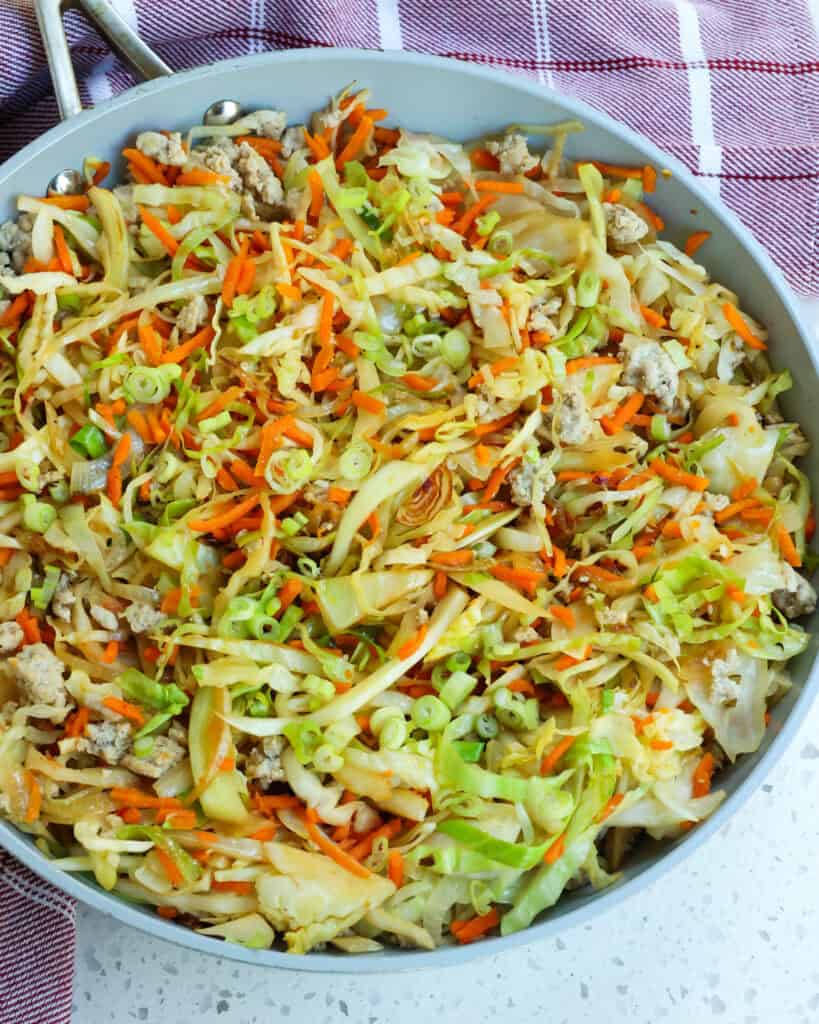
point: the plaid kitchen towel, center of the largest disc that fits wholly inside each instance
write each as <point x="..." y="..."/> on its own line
<point x="730" y="87"/>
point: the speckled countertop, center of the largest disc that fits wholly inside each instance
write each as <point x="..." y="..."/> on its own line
<point x="730" y="935"/>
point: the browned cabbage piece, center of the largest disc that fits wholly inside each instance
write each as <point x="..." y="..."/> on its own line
<point x="427" y="499"/>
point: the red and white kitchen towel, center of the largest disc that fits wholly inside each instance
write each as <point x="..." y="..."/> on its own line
<point x="730" y="87"/>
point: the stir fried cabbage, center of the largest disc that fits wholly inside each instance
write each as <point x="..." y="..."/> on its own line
<point x="392" y="531"/>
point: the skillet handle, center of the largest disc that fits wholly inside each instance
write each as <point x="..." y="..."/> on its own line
<point x="111" y="25"/>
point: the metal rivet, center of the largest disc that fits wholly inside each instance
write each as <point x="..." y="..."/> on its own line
<point x="223" y="112"/>
<point x="66" y="183"/>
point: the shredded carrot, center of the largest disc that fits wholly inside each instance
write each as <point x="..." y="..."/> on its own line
<point x="233" y="272"/>
<point x="158" y="229"/>
<point x="265" y="834"/>
<point x="615" y="170"/>
<point x="496" y="368"/>
<point x="497" y="478"/>
<point x="439" y="586"/>
<point x="469" y="931"/>
<point x="562" y="614"/>
<point x="330" y="849"/>
<point x="649" y="179"/>
<point x="678" y="476"/>
<point x="30" y="627"/>
<point x="356" y="143"/>
<point x="526" y="580"/>
<point x="76" y="723"/>
<point x="125" y="709"/>
<point x="695" y="240"/>
<point x="63" y="252"/>
<point x="552" y="759"/>
<point x="15" y="311"/>
<point x="151" y="342"/>
<point x="79" y="203"/>
<point x="150" y="168"/>
<point x="199" y="176"/>
<point x="468" y="217"/>
<point x="35" y="797"/>
<point x="744" y="489"/>
<point x="786" y="546"/>
<point x="289" y="592"/>
<point x="507" y="187"/>
<point x="368" y="403"/>
<point x="522" y="686"/>
<point x="167" y="912"/>
<point x="482" y="429"/>
<point x="136" y="798"/>
<point x="454" y="558"/>
<point x="559" y="565"/>
<point x="621" y="416"/>
<point x="227" y="517"/>
<point x="418" y="382"/>
<point x="610" y="806"/>
<point x="121" y="453"/>
<point x="652" y="317"/>
<point x="701" y="780"/>
<point x="338" y="495"/>
<point x="316" y="194"/>
<point x="5" y="556"/>
<point x="410" y="646"/>
<point x="288" y="291"/>
<point x="220" y="403"/>
<point x="737" y="322"/>
<point x="110" y="653"/>
<point x="170" y="867"/>
<point x="555" y="851"/>
<point x="586" y="362"/>
<point x="395" y="868"/>
<point x="388" y="831"/>
<point x="275" y="802"/>
<point x="181" y="352"/>
<point x="658" y="744"/>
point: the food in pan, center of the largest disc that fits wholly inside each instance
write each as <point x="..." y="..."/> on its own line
<point x="392" y="530"/>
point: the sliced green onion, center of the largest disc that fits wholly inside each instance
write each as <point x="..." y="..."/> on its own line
<point x="37" y="515"/>
<point x="143" y="746"/>
<point x="293" y="524"/>
<point x="430" y="713"/>
<point x="457" y="688"/>
<point x="28" y="474"/>
<point x="308" y="567"/>
<point x="487" y="223"/>
<point x="588" y="288"/>
<point x="89" y="441"/>
<point x="60" y="491"/>
<point x="41" y="596"/>
<point x="142" y="688"/>
<point x="455" y="348"/>
<point x="214" y="423"/>
<point x="356" y="461"/>
<point x="245" y="329"/>
<point x="660" y="428"/>
<point x="459" y="661"/>
<point x="470" y="750"/>
<point x="501" y="243"/>
<point x="69" y="303"/>
<point x="513" y="711"/>
<point x="633" y="188"/>
<point x="150" y="385"/>
<point x="486" y="726"/>
<point x="608" y="700"/>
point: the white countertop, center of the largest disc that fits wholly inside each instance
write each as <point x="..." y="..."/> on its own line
<point x="730" y="935"/>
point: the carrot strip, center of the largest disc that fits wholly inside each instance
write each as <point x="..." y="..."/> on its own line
<point x="418" y="382"/>
<point x="356" y="143"/>
<point x="622" y="415"/>
<point x="395" y="868"/>
<point x="555" y="851"/>
<point x="469" y="931"/>
<point x="289" y="592"/>
<point x="364" y="847"/>
<point x="526" y="580"/>
<point x="63" y="252"/>
<point x="610" y="806"/>
<point x="649" y="179"/>
<point x="170" y="867"/>
<point x="227" y="517"/>
<point x="79" y="203"/>
<point x="158" y="229"/>
<point x="76" y="723"/>
<point x="15" y="311"/>
<point x="735" y="319"/>
<point x="468" y="217"/>
<point x="786" y="546"/>
<point x="136" y="798"/>
<point x="220" y="403"/>
<point x="199" y="176"/>
<point x="551" y="760"/>
<point x="410" y="646"/>
<point x="126" y="710"/>
<point x="482" y="429"/>
<point x="181" y="352"/>
<point x="35" y="797"/>
<point x="233" y="272"/>
<point x="151" y="342"/>
<point x="678" y="476"/>
<point x="586" y="362"/>
<point x="701" y="780"/>
<point x="695" y="240"/>
<point x="317" y="146"/>
<point x="150" y="168"/>
<point x="562" y="614"/>
<point x="652" y="317"/>
<point x="316" y="195"/>
<point x="361" y="400"/>
<point x="507" y="187"/>
<point x="330" y="849"/>
<point x="454" y="558"/>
